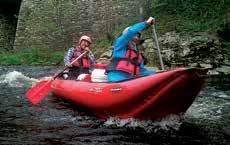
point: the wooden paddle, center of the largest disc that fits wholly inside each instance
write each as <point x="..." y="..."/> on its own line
<point x="42" y="88"/>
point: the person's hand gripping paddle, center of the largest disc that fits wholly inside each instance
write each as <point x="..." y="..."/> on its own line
<point x="42" y="88"/>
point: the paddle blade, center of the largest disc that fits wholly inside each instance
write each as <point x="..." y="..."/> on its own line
<point x="39" y="91"/>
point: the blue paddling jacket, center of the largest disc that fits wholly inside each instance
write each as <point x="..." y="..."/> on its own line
<point x="121" y="46"/>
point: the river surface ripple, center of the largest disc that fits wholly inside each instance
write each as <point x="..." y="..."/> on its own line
<point x="207" y="121"/>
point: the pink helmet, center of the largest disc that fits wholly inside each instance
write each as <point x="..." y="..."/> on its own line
<point x="87" y="38"/>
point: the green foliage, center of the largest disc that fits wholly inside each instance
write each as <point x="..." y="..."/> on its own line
<point x="102" y="43"/>
<point x="192" y="15"/>
<point x="10" y="59"/>
<point x="127" y="22"/>
<point x="49" y="25"/>
<point x="33" y="57"/>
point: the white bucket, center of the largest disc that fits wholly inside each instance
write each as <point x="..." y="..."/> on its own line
<point x="98" y="74"/>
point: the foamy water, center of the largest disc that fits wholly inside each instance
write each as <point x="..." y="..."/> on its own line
<point x="16" y="79"/>
<point x="170" y="122"/>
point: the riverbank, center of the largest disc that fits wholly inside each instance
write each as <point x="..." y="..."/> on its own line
<point x="32" y="57"/>
<point x="187" y="17"/>
<point x="46" y="56"/>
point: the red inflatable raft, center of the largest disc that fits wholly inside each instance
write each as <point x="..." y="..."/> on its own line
<point x="149" y="97"/>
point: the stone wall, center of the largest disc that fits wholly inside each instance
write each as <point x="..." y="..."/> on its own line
<point x="55" y="23"/>
<point x="201" y="49"/>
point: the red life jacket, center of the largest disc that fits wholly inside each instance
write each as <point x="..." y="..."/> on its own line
<point x="130" y="63"/>
<point x="83" y="62"/>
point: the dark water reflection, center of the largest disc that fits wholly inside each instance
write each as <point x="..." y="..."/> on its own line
<point x="58" y="122"/>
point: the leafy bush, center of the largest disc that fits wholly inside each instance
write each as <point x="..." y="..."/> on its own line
<point x="192" y="15"/>
<point x="33" y="57"/>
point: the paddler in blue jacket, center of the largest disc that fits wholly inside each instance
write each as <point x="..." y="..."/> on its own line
<point x="127" y="61"/>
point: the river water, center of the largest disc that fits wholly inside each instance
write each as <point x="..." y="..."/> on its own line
<point x="207" y="121"/>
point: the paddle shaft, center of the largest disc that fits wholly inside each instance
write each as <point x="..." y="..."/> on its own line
<point x="42" y="88"/>
<point x="158" y="48"/>
<point x="58" y="74"/>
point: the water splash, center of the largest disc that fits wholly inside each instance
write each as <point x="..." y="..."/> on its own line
<point x="168" y="123"/>
<point x="16" y="79"/>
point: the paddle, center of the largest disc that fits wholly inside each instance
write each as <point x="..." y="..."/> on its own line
<point x="42" y="88"/>
<point x="158" y="48"/>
